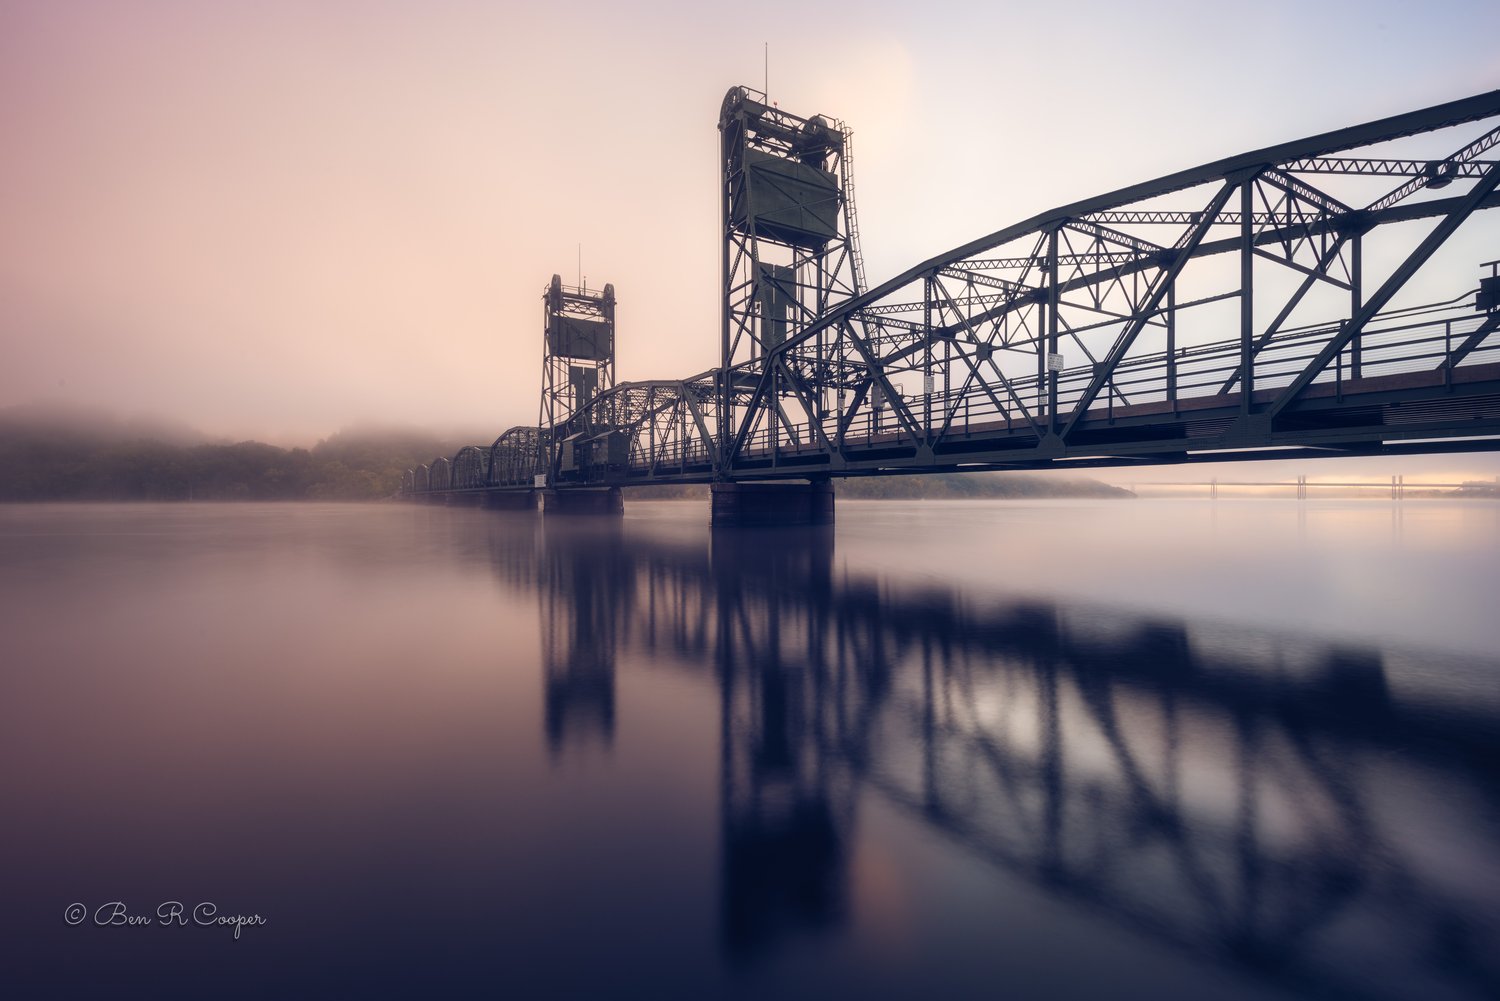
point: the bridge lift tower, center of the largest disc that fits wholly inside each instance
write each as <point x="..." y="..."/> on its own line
<point x="790" y="255"/>
<point x="790" y="248"/>
<point x="578" y="358"/>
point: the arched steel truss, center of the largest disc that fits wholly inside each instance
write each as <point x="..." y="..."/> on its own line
<point x="513" y="460"/>
<point x="471" y="467"/>
<point x="670" y="425"/>
<point x="516" y="456"/>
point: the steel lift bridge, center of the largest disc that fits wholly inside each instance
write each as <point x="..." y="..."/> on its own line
<point x="1337" y="295"/>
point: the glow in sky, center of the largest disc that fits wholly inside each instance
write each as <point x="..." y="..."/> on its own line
<point x="274" y="219"/>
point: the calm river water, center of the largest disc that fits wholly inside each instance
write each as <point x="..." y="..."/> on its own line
<point x="1118" y="749"/>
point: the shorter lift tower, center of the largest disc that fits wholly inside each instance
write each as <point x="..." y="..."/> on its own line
<point x="578" y="357"/>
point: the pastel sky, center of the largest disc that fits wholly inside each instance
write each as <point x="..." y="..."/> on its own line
<point x="275" y="219"/>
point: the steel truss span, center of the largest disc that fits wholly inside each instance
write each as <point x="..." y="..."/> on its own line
<point x="1334" y="295"/>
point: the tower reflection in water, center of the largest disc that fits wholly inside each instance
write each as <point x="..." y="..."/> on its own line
<point x="1259" y="801"/>
<point x="581" y="605"/>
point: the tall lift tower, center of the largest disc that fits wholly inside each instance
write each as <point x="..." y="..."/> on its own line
<point x="791" y="245"/>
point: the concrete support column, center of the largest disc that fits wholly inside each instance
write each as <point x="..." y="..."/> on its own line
<point x="510" y="500"/>
<point x="773" y="503"/>
<point x="584" y="500"/>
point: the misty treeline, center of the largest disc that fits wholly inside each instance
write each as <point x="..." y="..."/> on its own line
<point x="78" y="456"/>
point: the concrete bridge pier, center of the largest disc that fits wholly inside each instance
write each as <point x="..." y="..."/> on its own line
<point x="584" y="500"/>
<point x="510" y="500"/>
<point x="773" y="503"/>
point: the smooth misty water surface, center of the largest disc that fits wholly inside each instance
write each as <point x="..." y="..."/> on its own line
<point x="1150" y="749"/>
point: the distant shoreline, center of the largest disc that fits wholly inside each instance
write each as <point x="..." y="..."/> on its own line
<point x="94" y="457"/>
<point x="1062" y="490"/>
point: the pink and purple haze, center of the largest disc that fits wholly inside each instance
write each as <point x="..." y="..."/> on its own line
<point x="275" y="219"/>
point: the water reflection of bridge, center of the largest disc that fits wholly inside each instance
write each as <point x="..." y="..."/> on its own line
<point x="1272" y="806"/>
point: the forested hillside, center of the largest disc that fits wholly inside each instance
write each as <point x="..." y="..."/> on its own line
<point x="78" y="456"/>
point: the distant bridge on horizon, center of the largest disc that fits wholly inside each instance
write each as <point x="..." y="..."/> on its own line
<point x="1303" y="486"/>
<point x="1325" y="297"/>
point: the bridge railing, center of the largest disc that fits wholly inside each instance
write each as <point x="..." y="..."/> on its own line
<point x="1417" y="341"/>
<point x="665" y="441"/>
